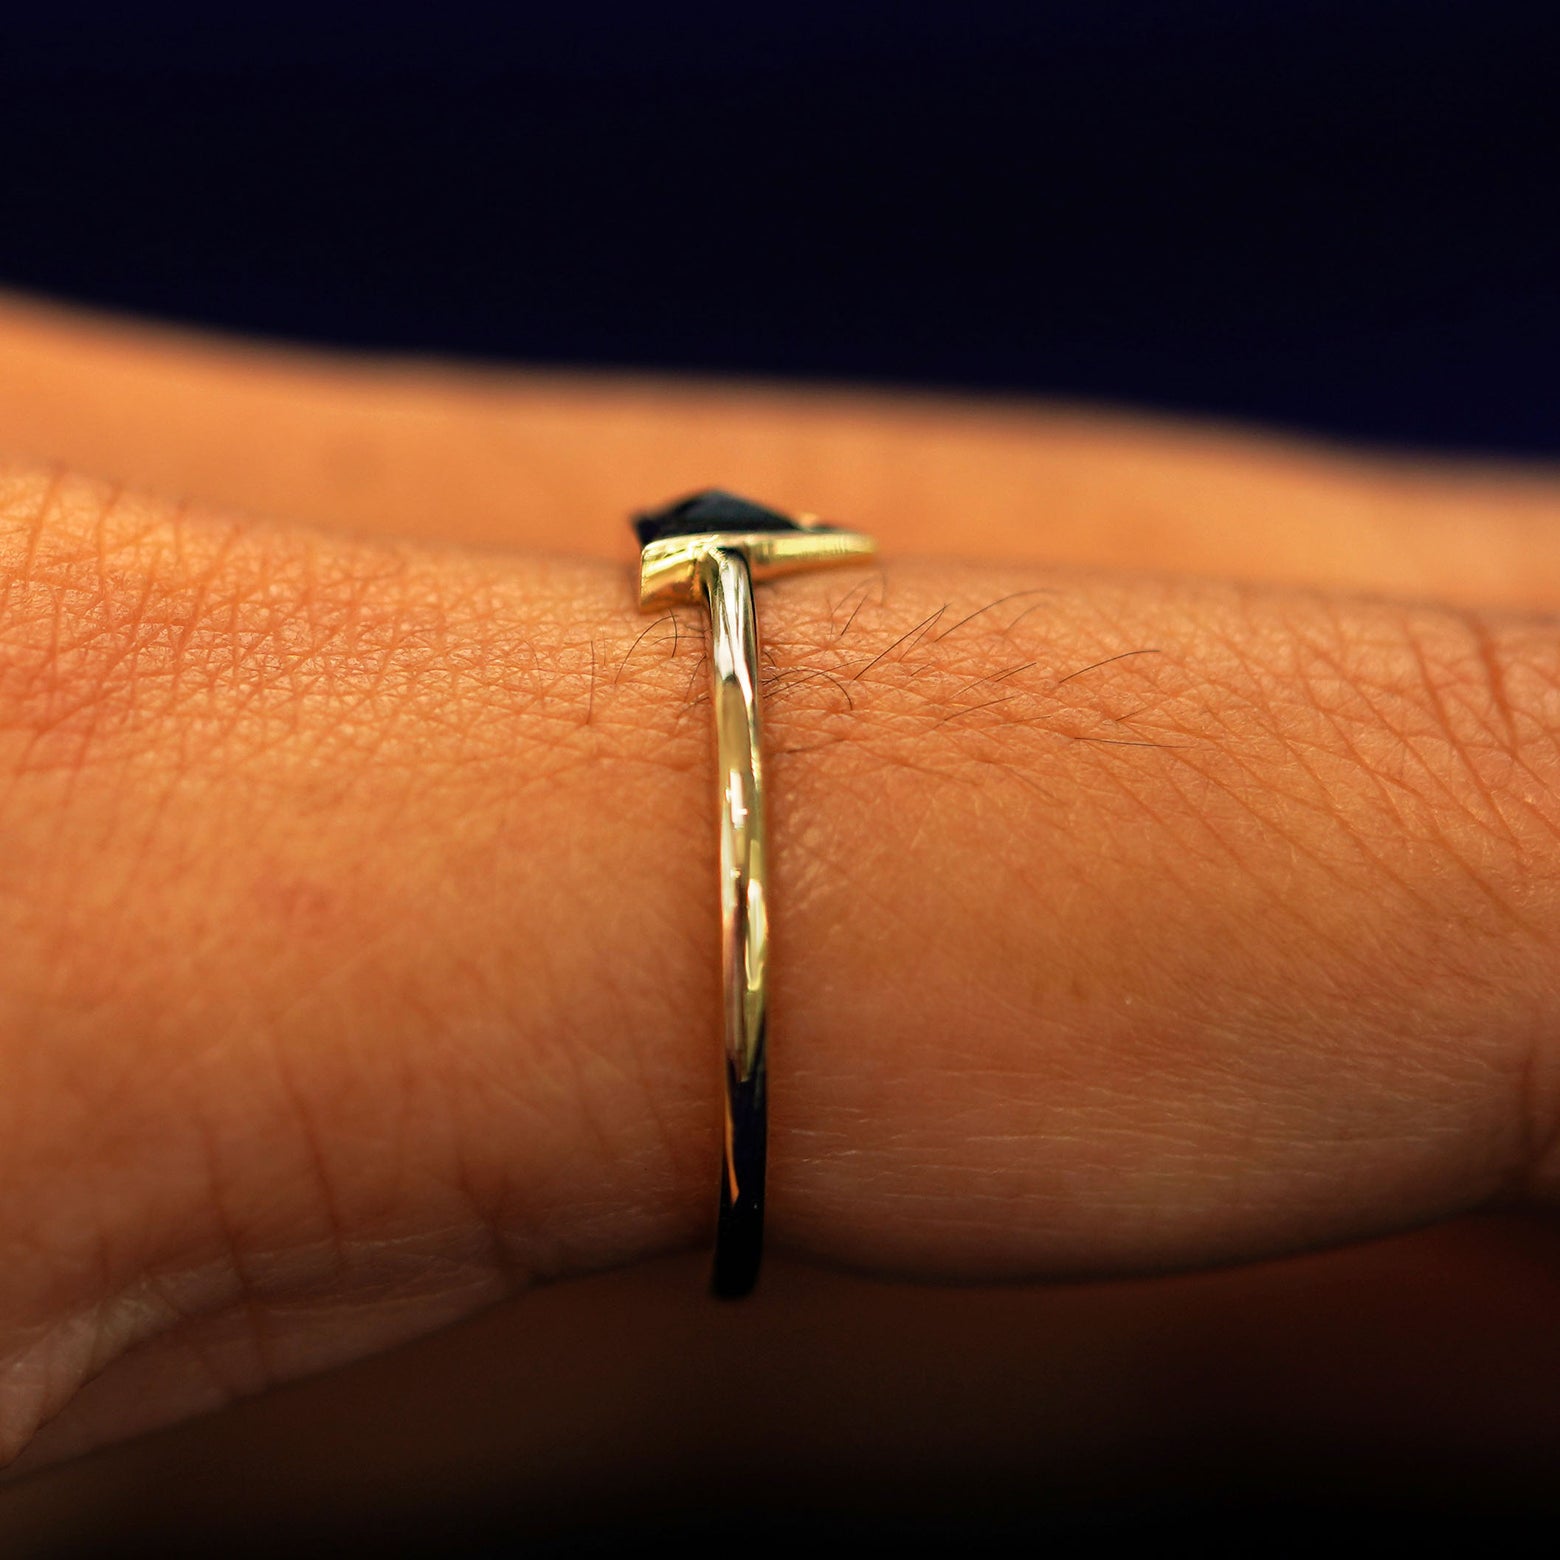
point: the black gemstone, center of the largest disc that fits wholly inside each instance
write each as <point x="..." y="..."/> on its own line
<point x="711" y="510"/>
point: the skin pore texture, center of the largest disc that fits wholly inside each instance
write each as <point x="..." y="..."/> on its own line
<point x="1167" y="890"/>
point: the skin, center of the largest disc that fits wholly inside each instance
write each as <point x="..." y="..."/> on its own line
<point x="1174" y="870"/>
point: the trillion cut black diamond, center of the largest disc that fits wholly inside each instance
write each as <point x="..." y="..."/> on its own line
<point x="711" y="510"/>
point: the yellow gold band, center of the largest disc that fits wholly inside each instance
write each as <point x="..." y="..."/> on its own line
<point x="711" y="547"/>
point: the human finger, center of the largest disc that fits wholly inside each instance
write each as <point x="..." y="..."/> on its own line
<point x="549" y="460"/>
<point x="361" y="957"/>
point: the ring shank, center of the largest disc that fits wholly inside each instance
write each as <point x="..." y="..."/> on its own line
<point x="727" y="585"/>
<point x="711" y="545"/>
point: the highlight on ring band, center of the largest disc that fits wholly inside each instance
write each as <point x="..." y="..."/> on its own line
<point x="712" y="546"/>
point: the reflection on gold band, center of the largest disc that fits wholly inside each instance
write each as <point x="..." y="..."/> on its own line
<point x="719" y="567"/>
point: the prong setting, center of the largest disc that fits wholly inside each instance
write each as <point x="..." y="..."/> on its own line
<point x="675" y="540"/>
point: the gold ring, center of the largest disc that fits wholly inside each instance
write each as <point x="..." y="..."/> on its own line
<point x="711" y="547"/>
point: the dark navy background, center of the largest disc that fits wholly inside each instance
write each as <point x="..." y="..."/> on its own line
<point x="1333" y="214"/>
